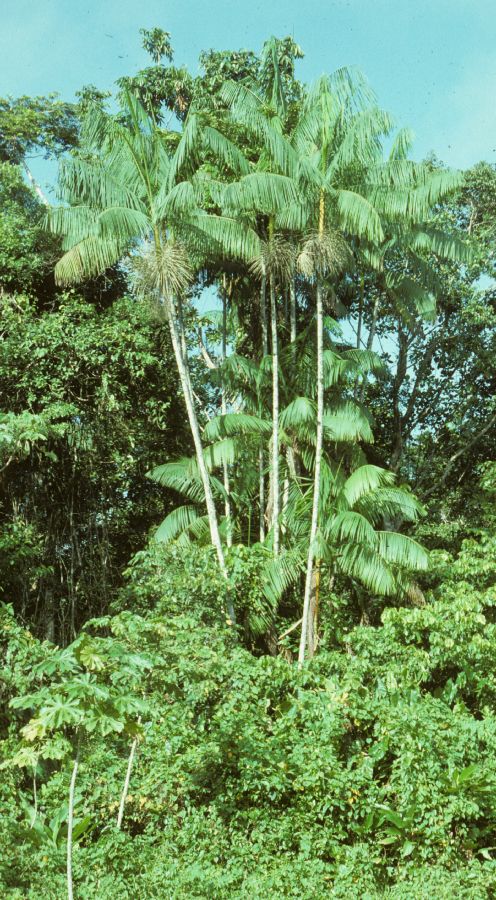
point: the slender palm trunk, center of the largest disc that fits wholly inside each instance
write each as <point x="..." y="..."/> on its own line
<point x="127" y="779"/>
<point x="316" y="485"/>
<point x="70" y="825"/>
<point x="313" y="619"/>
<point x="229" y="534"/>
<point x="275" y="417"/>
<point x="261" y="455"/>
<point x="290" y="457"/>
<point x="261" y="493"/>
<point x="263" y="316"/>
<point x="292" y="311"/>
<point x="195" y="431"/>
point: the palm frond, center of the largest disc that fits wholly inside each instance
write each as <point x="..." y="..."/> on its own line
<point x="364" y="564"/>
<point x="352" y="526"/>
<point x="227" y="236"/>
<point x="365" y="479"/>
<point x="175" y="523"/>
<point x="358" y="216"/>
<point x="402" y="550"/>
<point x="90" y="257"/>
<point x="225" y="151"/>
<point x="347" y="424"/>
<point x="232" y="424"/>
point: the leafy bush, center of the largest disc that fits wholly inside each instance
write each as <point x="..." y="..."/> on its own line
<point x="371" y="773"/>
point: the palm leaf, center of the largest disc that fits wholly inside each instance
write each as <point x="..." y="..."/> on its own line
<point x="175" y="523"/>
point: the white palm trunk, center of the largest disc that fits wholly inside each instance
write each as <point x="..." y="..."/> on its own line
<point x="275" y="418"/>
<point x="261" y="455"/>
<point x="316" y="485"/>
<point x="127" y="780"/>
<point x="290" y="457"/>
<point x="225" y="467"/>
<point x="292" y="311"/>
<point x="185" y="379"/>
<point x="70" y="826"/>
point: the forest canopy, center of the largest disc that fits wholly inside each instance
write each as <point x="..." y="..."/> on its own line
<point x="247" y="481"/>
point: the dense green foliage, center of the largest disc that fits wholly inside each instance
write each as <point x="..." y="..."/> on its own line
<point x="177" y="486"/>
<point x="374" y="771"/>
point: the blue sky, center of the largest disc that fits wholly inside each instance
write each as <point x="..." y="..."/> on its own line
<point x="432" y="63"/>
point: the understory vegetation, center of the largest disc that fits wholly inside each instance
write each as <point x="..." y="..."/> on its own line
<point x="247" y="485"/>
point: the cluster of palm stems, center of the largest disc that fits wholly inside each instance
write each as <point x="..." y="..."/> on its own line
<point x="282" y="462"/>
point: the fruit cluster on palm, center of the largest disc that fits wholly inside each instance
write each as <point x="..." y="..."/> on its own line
<point x="282" y="461"/>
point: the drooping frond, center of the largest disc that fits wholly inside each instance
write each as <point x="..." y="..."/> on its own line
<point x="431" y="240"/>
<point x="361" y="144"/>
<point x="280" y="572"/>
<point x="363" y="360"/>
<point x="351" y="88"/>
<point x="223" y="452"/>
<point x="248" y="109"/>
<point x="389" y="503"/>
<point x="301" y="411"/>
<point x="175" y="523"/>
<point x="334" y="367"/>
<point x="411" y="299"/>
<point x="198" y="530"/>
<point x="358" y="216"/>
<point x="232" y="424"/>
<point x="229" y="236"/>
<point x="181" y="476"/>
<point x="365" y="479"/>
<point x="174" y="202"/>
<point x="366" y="565"/>
<point x="186" y="152"/>
<point x="225" y="151"/>
<point x="352" y="526"/>
<point x="402" y="144"/>
<point x="87" y="258"/>
<point x="261" y="192"/>
<point x="98" y="185"/>
<point x="402" y="550"/>
<point x="347" y="423"/>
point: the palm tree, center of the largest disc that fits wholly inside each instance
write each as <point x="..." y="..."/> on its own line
<point x="352" y="195"/>
<point x="354" y="497"/>
<point x="129" y="194"/>
<point x="335" y="134"/>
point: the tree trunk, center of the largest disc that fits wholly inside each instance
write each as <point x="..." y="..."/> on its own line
<point x="127" y="779"/>
<point x="263" y="316"/>
<point x="290" y="456"/>
<point x="316" y="484"/>
<point x="185" y="379"/>
<point x="401" y="371"/>
<point x="292" y="311"/>
<point x="229" y="534"/>
<point x="261" y="457"/>
<point x="261" y="493"/>
<point x="70" y="825"/>
<point x="313" y="618"/>
<point x="275" y="418"/>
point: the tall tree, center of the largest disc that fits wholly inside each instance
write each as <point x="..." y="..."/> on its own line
<point x="127" y="191"/>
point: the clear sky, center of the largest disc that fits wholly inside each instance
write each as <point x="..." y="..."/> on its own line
<point x="432" y="63"/>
